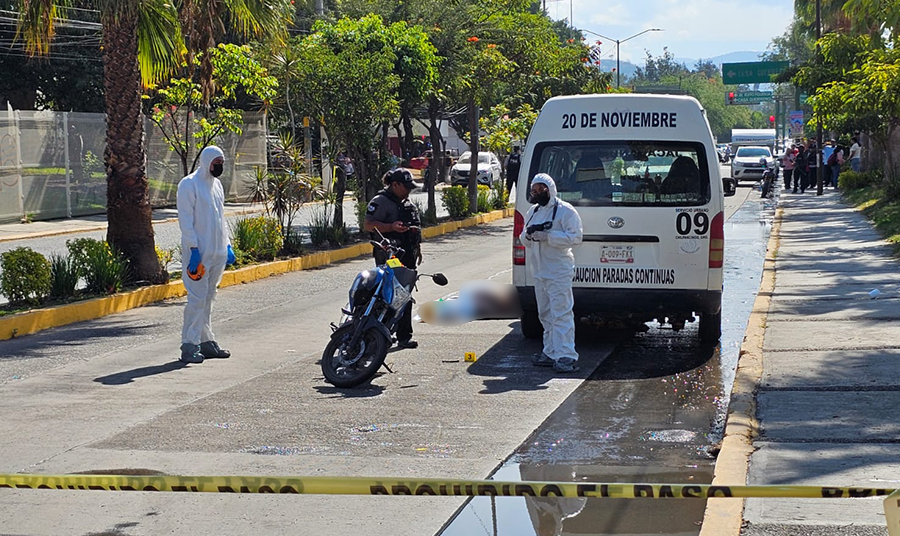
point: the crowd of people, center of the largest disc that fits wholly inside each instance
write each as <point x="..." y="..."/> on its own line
<point x="800" y="164"/>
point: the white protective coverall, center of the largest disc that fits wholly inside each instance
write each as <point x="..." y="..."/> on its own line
<point x="201" y="216"/>
<point x="552" y="265"/>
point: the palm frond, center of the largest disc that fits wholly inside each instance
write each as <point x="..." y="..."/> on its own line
<point x="37" y="24"/>
<point x="259" y="18"/>
<point x="160" y="44"/>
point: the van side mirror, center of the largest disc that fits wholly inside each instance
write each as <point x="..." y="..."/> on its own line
<point x="729" y="186"/>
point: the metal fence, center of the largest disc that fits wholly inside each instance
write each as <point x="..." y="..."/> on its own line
<point x="51" y="163"/>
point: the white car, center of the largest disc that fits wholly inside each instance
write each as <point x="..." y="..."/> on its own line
<point x="747" y="163"/>
<point x="489" y="169"/>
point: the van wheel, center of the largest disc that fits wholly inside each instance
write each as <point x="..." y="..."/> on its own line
<point x="711" y="327"/>
<point x="531" y="325"/>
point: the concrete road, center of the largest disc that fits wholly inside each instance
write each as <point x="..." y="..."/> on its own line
<point x="109" y="395"/>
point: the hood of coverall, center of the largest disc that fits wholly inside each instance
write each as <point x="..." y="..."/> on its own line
<point x="543" y="178"/>
<point x="206" y="158"/>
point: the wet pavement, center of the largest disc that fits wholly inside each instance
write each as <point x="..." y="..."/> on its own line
<point x="653" y="411"/>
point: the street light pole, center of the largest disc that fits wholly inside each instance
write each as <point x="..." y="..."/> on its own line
<point x="619" y="42"/>
<point x="820" y="172"/>
<point x="618" y="67"/>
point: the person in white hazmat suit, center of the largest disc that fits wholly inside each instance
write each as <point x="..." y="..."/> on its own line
<point x="552" y="228"/>
<point x="206" y="246"/>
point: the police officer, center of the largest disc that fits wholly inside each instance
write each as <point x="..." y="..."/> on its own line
<point x="394" y="216"/>
<point x="513" y="164"/>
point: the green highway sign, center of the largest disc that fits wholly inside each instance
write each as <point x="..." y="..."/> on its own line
<point x="755" y="72"/>
<point x="747" y="97"/>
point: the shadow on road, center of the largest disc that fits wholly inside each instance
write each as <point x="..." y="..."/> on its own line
<point x="128" y="376"/>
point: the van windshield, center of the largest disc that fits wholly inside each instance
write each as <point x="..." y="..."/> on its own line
<point x="632" y="173"/>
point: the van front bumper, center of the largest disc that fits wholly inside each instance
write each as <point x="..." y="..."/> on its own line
<point x="618" y="303"/>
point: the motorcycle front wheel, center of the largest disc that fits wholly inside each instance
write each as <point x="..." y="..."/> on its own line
<point x="344" y="366"/>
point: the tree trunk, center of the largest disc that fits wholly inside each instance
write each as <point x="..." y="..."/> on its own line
<point x="401" y="144"/>
<point x="436" y="170"/>
<point x="340" y="188"/>
<point x="409" y="137"/>
<point x="127" y="196"/>
<point x="473" y="149"/>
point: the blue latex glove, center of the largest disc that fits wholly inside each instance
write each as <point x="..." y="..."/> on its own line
<point x="194" y="263"/>
<point x="231" y="258"/>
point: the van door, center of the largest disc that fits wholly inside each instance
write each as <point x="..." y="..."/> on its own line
<point x="647" y="209"/>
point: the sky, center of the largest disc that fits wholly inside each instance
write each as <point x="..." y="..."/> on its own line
<point x="692" y="28"/>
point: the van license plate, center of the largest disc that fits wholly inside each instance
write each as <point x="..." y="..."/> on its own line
<point x="617" y="254"/>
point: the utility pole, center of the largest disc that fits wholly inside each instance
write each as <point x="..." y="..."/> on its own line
<point x="820" y="173"/>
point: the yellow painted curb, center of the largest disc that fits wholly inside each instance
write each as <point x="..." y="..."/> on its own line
<point x="724" y="517"/>
<point x="40" y="319"/>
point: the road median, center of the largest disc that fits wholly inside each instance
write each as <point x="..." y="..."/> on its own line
<point x="36" y="320"/>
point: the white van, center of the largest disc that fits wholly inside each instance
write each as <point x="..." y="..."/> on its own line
<point x="642" y="172"/>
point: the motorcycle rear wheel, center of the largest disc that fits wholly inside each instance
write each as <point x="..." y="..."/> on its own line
<point x="348" y="367"/>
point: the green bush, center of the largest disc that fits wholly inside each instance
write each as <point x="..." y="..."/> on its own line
<point x="319" y="227"/>
<point x="25" y="277"/>
<point x="322" y="230"/>
<point x="362" y="206"/>
<point x="259" y="238"/>
<point x="456" y="200"/>
<point x="484" y="198"/>
<point x="853" y="180"/>
<point x="64" y="275"/>
<point x="499" y="196"/>
<point x="293" y="243"/>
<point x="106" y="271"/>
<point x="338" y="236"/>
<point x="81" y="249"/>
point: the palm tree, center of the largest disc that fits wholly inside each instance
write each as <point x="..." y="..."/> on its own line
<point x="142" y="43"/>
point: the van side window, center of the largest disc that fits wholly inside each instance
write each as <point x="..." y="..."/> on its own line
<point x="631" y="173"/>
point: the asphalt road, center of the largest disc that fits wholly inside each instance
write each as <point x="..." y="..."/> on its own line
<point x="109" y="395"/>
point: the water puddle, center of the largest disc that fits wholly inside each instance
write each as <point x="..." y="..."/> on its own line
<point x="654" y="412"/>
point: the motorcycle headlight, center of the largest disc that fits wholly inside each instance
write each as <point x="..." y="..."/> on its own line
<point x="363" y="287"/>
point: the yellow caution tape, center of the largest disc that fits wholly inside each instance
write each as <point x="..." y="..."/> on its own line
<point x="393" y="486"/>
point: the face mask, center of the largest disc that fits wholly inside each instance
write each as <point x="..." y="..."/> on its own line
<point x="217" y="169"/>
<point x="541" y="199"/>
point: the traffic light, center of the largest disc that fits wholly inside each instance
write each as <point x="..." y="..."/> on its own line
<point x="772" y="120"/>
<point x="731" y="97"/>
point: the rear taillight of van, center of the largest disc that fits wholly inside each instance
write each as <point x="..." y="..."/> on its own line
<point x="518" y="248"/>
<point x="717" y="241"/>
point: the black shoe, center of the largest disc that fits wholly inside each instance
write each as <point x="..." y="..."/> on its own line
<point x="190" y="353"/>
<point x="794" y="191"/>
<point x="542" y="360"/>
<point x="566" y="364"/>
<point x="210" y="349"/>
<point x="408" y="344"/>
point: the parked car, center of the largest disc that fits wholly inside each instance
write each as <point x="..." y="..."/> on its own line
<point x="424" y="161"/>
<point x="488" y="169"/>
<point x="747" y="164"/>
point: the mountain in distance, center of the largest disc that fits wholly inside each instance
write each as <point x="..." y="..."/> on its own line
<point x="731" y="57"/>
<point x="628" y="68"/>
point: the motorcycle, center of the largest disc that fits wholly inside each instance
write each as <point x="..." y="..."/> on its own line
<point x="768" y="179"/>
<point x="378" y="297"/>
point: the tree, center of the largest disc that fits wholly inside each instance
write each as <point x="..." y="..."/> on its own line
<point x="346" y="79"/>
<point x="867" y="98"/>
<point x="187" y="124"/>
<point x="502" y="127"/>
<point x="142" y="43"/>
<point x="655" y="69"/>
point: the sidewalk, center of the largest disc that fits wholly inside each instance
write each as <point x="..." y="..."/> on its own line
<point x="84" y="224"/>
<point x="830" y="389"/>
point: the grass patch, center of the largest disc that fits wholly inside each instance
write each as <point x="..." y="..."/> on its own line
<point x="883" y="211"/>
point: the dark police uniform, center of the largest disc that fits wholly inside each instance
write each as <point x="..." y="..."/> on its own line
<point x="386" y="208"/>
